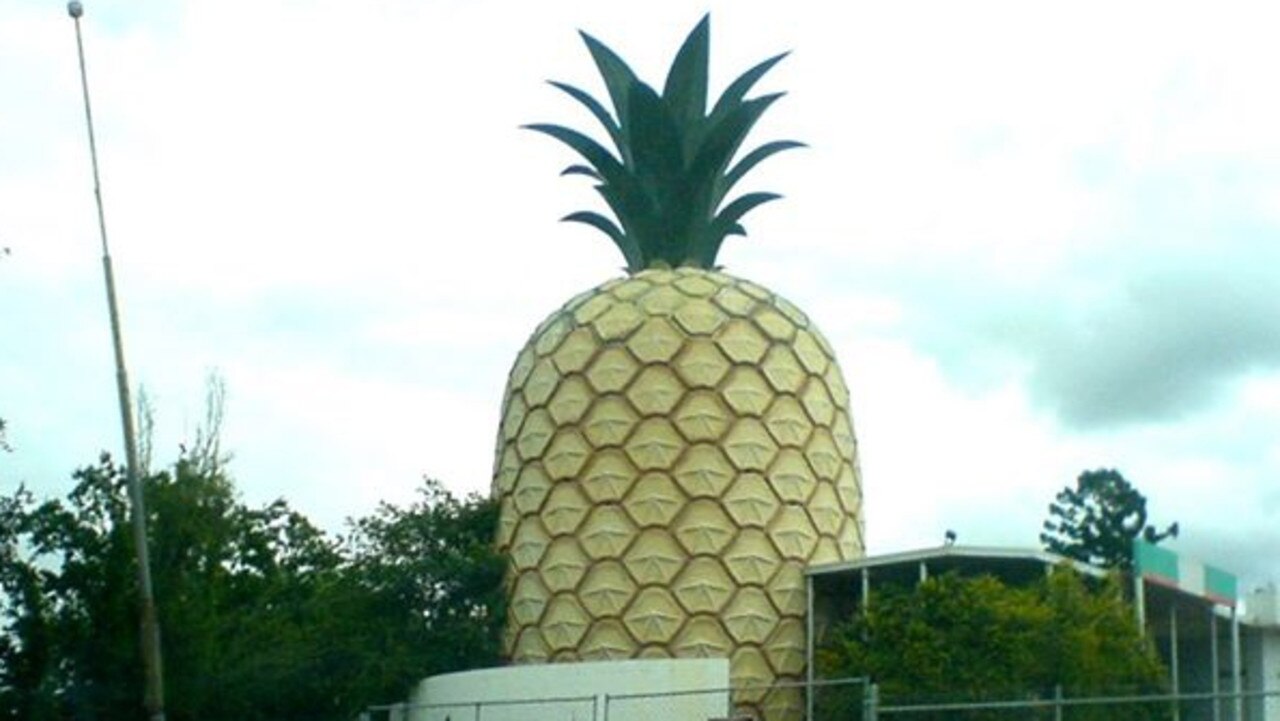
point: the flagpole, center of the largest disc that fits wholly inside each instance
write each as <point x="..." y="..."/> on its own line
<point x="153" y="699"/>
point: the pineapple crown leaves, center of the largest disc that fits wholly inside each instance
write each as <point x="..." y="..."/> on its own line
<point x="668" y="180"/>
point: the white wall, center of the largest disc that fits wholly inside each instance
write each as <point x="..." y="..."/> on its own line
<point x="1261" y="641"/>
<point x="585" y="691"/>
<point x="1262" y="671"/>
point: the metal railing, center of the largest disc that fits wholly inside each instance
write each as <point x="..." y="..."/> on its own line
<point x="577" y="708"/>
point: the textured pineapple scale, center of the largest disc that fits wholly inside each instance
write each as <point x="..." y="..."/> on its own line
<point x="675" y="448"/>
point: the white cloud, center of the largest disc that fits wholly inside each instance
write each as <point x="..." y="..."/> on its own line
<point x="333" y="205"/>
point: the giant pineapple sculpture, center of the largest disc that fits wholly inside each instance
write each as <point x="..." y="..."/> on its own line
<point x="675" y="445"/>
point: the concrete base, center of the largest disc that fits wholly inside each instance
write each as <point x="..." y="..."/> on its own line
<point x="640" y="690"/>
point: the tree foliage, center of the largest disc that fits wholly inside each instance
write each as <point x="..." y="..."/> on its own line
<point x="957" y="639"/>
<point x="1097" y="521"/>
<point x="263" y="615"/>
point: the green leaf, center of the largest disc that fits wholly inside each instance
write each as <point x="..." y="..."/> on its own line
<point x="619" y="188"/>
<point x="593" y="152"/>
<point x="618" y="79"/>
<point x="671" y="172"/>
<point x="732" y="212"/>
<point x="628" y="246"/>
<point x="727" y="220"/>
<point x="659" y="169"/>
<point x="598" y="110"/>
<point x="656" y="148"/>
<point x="726" y="135"/>
<point x="722" y="141"/>
<point x="582" y="170"/>
<point x="635" y="213"/>
<point x="685" y="91"/>
<point x="739" y="88"/>
<point x="750" y="160"/>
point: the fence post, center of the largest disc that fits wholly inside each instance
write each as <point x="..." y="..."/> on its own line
<point x="606" y="707"/>
<point x="1057" y="702"/>
<point x="478" y="704"/>
<point x="871" y="702"/>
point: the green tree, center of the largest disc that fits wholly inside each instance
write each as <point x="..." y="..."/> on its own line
<point x="264" y="616"/>
<point x="424" y="592"/>
<point x="1097" y="521"/>
<point x="220" y="571"/>
<point x="959" y="639"/>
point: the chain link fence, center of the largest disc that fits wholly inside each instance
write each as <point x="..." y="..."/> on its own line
<point x="868" y="703"/>
<point x="1220" y="706"/>
<point x="851" y="699"/>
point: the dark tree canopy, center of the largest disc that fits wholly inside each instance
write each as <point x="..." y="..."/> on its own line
<point x="1097" y="521"/>
<point x="263" y="615"/>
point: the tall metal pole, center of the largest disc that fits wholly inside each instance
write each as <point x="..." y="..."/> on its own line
<point x="153" y="698"/>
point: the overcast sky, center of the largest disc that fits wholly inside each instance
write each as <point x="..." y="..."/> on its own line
<point x="1041" y="238"/>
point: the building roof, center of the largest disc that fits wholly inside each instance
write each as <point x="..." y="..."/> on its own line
<point x="952" y="555"/>
<point x="1012" y="564"/>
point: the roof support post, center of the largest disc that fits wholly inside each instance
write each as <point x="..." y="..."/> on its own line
<point x="1175" y="686"/>
<point x="1140" y="601"/>
<point x="1236" y="670"/>
<point x="866" y="588"/>
<point x="1213" y="662"/>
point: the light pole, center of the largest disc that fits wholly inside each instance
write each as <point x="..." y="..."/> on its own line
<point x="153" y="698"/>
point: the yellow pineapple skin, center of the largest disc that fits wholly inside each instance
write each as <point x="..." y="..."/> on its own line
<point x="675" y="447"/>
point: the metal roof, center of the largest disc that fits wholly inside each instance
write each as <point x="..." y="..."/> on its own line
<point x="951" y="552"/>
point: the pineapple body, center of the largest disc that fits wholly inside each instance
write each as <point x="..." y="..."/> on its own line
<point x="675" y="448"/>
